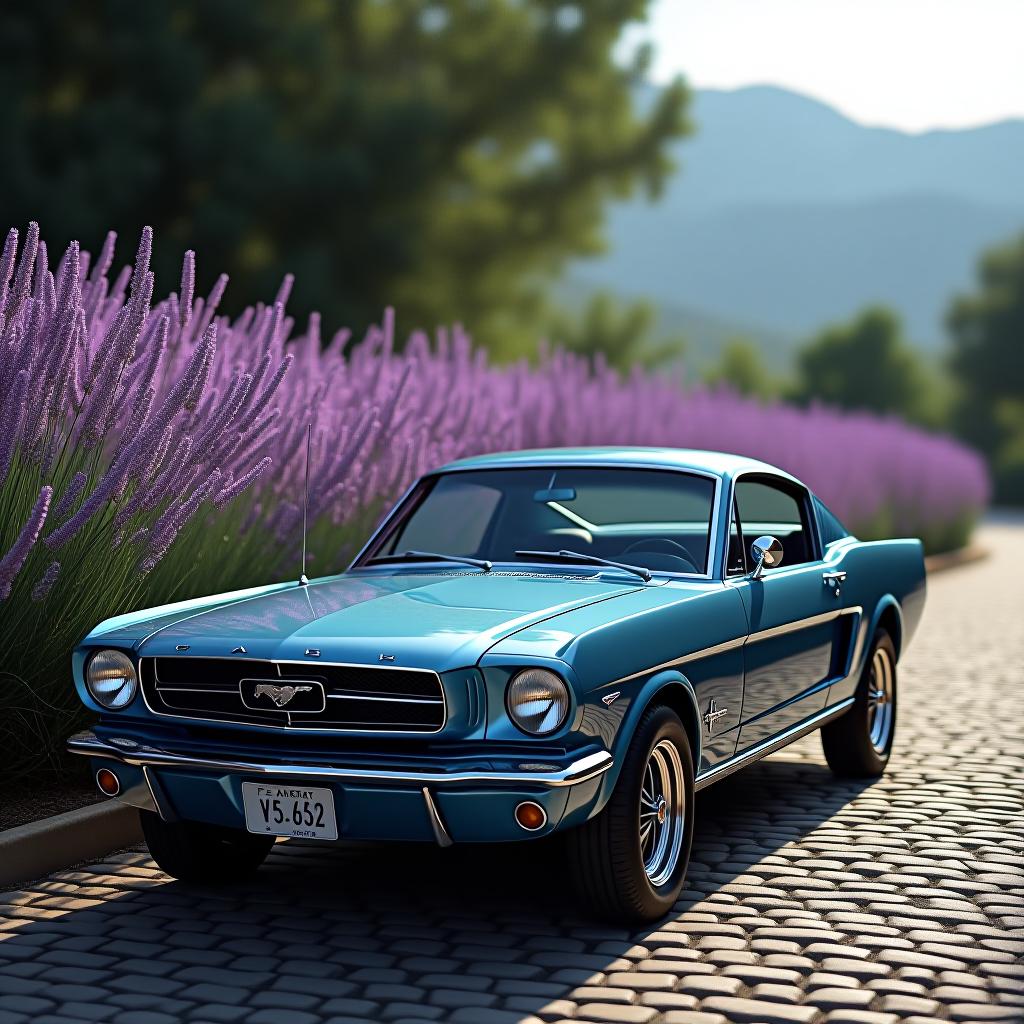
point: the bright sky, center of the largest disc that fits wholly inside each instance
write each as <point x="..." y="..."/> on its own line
<point x="911" y="64"/>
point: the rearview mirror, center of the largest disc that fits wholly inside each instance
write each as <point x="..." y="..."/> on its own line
<point x="555" y="494"/>
<point x="767" y="554"/>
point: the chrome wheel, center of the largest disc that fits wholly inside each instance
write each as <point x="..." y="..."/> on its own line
<point x="880" y="700"/>
<point x="662" y="812"/>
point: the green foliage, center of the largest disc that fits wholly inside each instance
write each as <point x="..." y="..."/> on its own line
<point x="620" y="333"/>
<point x="987" y="363"/>
<point x="867" y="364"/>
<point x="741" y="369"/>
<point x="445" y="157"/>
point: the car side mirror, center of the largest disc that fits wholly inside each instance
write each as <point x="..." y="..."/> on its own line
<point x="767" y="554"/>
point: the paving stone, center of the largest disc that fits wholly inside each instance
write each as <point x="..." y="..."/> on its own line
<point x="692" y="1017"/>
<point x="396" y="1011"/>
<point x="668" y="1000"/>
<point x="976" y="1012"/>
<point x="777" y="993"/>
<point x="756" y="1012"/>
<point x="860" y="1017"/>
<point x="616" y="1013"/>
<point x="702" y="985"/>
<point x="909" y="1004"/>
<point x="841" y="998"/>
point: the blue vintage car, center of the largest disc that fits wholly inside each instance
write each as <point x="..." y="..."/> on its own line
<point x="568" y="641"/>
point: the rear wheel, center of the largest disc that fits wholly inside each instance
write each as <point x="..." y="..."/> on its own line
<point x="858" y="744"/>
<point x="193" y="852"/>
<point x="629" y="861"/>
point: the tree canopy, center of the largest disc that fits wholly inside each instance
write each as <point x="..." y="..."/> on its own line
<point x="444" y="157"/>
<point x="740" y="368"/>
<point x="621" y="332"/>
<point x="987" y="363"/>
<point x="865" y="364"/>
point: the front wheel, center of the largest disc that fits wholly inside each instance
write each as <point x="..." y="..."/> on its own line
<point x="193" y="852"/>
<point x="858" y="744"/>
<point x="628" y="862"/>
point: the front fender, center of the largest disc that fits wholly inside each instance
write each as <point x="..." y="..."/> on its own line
<point x="669" y="687"/>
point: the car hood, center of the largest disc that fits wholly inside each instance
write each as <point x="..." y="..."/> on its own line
<point x="438" y="619"/>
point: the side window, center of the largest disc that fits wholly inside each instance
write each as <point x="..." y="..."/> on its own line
<point x="768" y="508"/>
<point x="736" y="562"/>
<point x="829" y="525"/>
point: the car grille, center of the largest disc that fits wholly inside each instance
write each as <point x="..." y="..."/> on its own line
<point x="357" y="697"/>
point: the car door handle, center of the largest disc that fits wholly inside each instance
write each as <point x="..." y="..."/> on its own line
<point x="834" y="580"/>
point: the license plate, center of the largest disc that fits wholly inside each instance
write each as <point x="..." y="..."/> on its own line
<point x="299" y="812"/>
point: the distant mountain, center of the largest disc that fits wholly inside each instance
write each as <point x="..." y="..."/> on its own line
<point x="786" y="214"/>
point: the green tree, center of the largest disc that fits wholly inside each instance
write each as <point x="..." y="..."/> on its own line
<point x="987" y="364"/>
<point x="866" y="364"/>
<point x="447" y="157"/>
<point x="740" y="368"/>
<point x="621" y="333"/>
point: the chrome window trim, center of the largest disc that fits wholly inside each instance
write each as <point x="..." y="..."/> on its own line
<point x="583" y="769"/>
<point x="808" y="508"/>
<point x="708" y="474"/>
<point x="288" y="727"/>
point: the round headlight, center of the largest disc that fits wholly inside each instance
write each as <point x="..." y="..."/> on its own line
<point x="538" y="701"/>
<point x="110" y="678"/>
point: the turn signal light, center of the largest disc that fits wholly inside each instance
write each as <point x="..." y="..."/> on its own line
<point x="108" y="782"/>
<point x="530" y="816"/>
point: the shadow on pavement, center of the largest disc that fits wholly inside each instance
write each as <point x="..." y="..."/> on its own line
<point x="388" y="932"/>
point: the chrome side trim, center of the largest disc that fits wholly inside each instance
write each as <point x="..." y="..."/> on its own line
<point x="436" y="821"/>
<point x="769" y="745"/>
<point x="581" y="770"/>
<point x="731" y="645"/>
<point x="798" y="624"/>
<point x="704" y="652"/>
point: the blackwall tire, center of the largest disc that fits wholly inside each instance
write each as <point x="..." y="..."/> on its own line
<point x="629" y="861"/>
<point x="858" y="744"/>
<point x="192" y="852"/>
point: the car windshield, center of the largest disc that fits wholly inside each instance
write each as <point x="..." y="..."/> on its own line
<point x="658" y="519"/>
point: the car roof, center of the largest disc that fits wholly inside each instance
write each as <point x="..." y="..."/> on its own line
<point x="719" y="463"/>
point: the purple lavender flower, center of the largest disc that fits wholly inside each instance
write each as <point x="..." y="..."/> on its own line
<point x="11" y="563"/>
<point x="11" y="417"/>
<point x="67" y="499"/>
<point x="234" y="489"/>
<point x="45" y="583"/>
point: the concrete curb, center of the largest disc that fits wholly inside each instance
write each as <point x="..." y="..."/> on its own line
<point x="955" y="559"/>
<point x="39" y="847"/>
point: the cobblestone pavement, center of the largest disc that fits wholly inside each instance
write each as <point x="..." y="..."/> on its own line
<point x="808" y="899"/>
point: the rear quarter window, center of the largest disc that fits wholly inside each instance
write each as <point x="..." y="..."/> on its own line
<point x="829" y="526"/>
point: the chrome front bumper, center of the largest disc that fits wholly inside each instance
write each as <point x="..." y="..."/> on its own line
<point x="479" y="800"/>
<point x="141" y="755"/>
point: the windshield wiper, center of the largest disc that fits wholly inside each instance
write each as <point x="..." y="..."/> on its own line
<point x="434" y="556"/>
<point x="579" y="556"/>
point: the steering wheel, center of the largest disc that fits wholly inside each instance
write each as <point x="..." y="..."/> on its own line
<point x="664" y="546"/>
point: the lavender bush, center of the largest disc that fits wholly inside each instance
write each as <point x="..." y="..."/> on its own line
<point x="152" y="452"/>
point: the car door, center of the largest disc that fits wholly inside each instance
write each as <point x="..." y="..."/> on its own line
<point x="794" y="617"/>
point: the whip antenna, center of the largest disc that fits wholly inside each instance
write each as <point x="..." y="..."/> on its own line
<point x="303" y="581"/>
